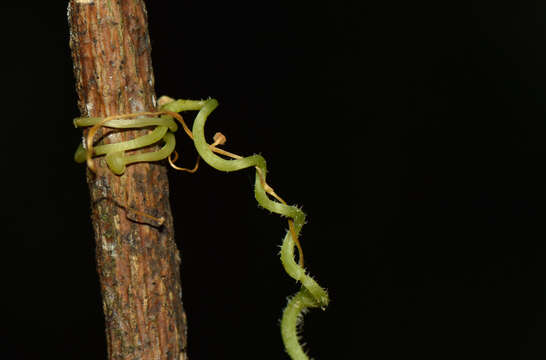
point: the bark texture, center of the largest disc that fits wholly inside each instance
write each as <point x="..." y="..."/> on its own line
<point x="137" y="260"/>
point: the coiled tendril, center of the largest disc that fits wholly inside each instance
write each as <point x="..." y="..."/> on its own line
<point x="311" y="295"/>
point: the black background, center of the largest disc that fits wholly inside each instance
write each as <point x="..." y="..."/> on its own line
<point x="412" y="133"/>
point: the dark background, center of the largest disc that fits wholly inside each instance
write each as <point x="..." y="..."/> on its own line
<point x="412" y="133"/>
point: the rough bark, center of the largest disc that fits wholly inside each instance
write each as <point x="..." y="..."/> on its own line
<point x="137" y="260"/>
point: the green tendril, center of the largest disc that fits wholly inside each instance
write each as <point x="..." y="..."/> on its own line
<point x="116" y="158"/>
<point x="129" y="123"/>
<point x="311" y="295"/>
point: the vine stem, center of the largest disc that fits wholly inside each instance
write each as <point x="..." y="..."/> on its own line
<point x="311" y="294"/>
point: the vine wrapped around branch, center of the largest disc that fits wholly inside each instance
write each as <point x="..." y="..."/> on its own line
<point x="311" y="295"/>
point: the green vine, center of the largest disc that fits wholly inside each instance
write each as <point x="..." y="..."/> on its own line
<point x="311" y="295"/>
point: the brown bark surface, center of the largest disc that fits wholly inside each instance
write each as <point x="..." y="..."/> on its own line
<point x="137" y="260"/>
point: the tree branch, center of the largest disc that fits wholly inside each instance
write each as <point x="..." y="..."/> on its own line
<point x="137" y="260"/>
